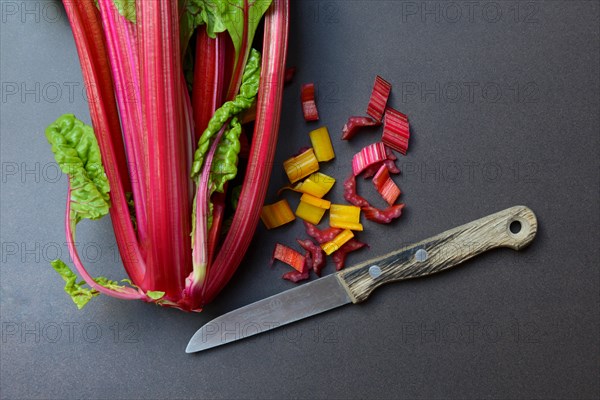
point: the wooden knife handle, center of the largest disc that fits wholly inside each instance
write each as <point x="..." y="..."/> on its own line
<point x="514" y="227"/>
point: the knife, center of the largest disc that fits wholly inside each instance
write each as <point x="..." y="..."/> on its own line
<point x="514" y="227"/>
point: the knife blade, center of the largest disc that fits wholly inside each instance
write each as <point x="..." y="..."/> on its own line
<point x="514" y="228"/>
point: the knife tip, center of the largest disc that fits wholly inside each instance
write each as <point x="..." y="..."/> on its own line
<point x="191" y="347"/>
<point x="199" y="343"/>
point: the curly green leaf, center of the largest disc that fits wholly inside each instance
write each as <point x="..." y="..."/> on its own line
<point x="224" y="164"/>
<point x="194" y="13"/>
<point x="126" y="8"/>
<point x="77" y="153"/>
<point x="80" y="294"/>
<point x="242" y="102"/>
<point x="155" y="294"/>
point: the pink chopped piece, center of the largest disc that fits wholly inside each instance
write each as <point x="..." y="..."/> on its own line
<point x="351" y="195"/>
<point x="339" y="257"/>
<point x="379" y="98"/>
<point x="318" y="255"/>
<point x="354" y="124"/>
<point x="383" y="216"/>
<point x="372" y="154"/>
<point x="396" y="130"/>
<point x="309" y="107"/>
<point x="321" y="236"/>
<point x="386" y="187"/>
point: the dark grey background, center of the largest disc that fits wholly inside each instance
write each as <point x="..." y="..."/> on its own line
<point x="522" y="129"/>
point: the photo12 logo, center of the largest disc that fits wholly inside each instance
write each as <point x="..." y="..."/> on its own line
<point x="69" y="332"/>
<point x="469" y="332"/>
<point x="55" y="92"/>
<point x="32" y="12"/>
<point x="223" y="332"/>
<point x="463" y="171"/>
<point x="470" y="92"/>
<point x="453" y="12"/>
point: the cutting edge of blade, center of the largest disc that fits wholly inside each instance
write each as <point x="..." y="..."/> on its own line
<point x="304" y="301"/>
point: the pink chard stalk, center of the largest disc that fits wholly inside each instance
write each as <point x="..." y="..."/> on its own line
<point x="169" y="83"/>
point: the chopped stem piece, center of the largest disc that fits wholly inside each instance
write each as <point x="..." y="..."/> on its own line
<point x="368" y="156"/>
<point x="289" y="256"/>
<point x="339" y="257"/>
<point x="345" y="217"/>
<point x="351" y="195"/>
<point x="317" y="185"/>
<point x="390" y="163"/>
<point x="297" y="276"/>
<point x="321" y="236"/>
<point x="354" y="124"/>
<point x="315" y="201"/>
<point x="321" y="143"/>
<point x="383" y="216"/>
<point x="301" y="166"/>
<point x="334" y="245"/>
<point x="386" y="187"/>
<point x="312" y="209"/>
<point x="379" y="98"/>
<point x="317" y="253"/>
<point x="309" y="107"/>
<point x="276" y="215"/>
<point x="396" y="130"/>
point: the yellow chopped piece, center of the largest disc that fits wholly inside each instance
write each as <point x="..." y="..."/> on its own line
<point x="337" y="242"/>
<point x="277" y="214"/>
<point x="312" y="209"/>
<point x="321" y="142"/>
<point x="301" y="166"/>
<point x="317" y="185"/>
<point x="345" y="217"/>
<point x="353" y="226"/>
<point x="310" y="213"/>
<point x="315" y="201"/>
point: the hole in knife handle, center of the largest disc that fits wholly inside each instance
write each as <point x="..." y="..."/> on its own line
<point x="515" y="227"/>
<point x="520" y="227"/>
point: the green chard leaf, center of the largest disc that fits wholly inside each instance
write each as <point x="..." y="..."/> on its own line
<point x="77" y="153"/>
<point x="240" y="18"/>
<point x="224" y="164"/>
<point x="195" y="13"/>
<point x="126" y="8"/>
<point x="79" y="294"/>
<point x="240" y="14"/>
<point x="155" y="295"/>
<point x="230" y="143"/>
<point x="107" y="283"/>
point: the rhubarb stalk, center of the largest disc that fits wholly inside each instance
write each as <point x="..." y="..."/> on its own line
<point x="85" y="21"/>
<point x="262" y="151"/>
<point x="123" y="52"/>
<point x="169" y="259"/>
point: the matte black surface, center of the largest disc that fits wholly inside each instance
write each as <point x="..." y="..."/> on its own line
<point x="522" y="130"/>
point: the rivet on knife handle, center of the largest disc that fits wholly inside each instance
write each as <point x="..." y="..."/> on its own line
<point x="514" y="227"/>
